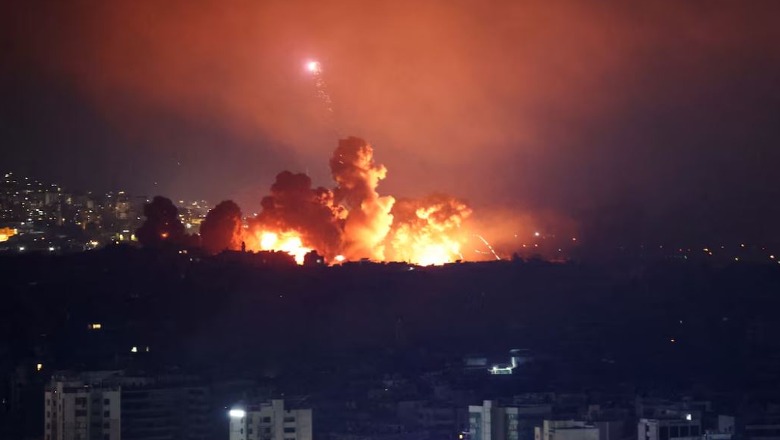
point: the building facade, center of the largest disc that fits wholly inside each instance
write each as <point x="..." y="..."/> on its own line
<point x="79" y="409"/>
<point x="113" y="406"/>
<point x="566" y="430"/>
<point x="491" y="422"/>
<point x="669" y="428"/>
<point x="270" y="421"/>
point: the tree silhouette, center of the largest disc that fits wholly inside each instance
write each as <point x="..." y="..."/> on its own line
<point x="162" y="225"/>
<point x="222" y="228"/>
<point x="312" y="258"/>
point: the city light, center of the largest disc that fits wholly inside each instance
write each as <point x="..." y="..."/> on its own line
<point x="237" y="413"/>
<point x="6" y="233"/>
<point x="38" y="367"/>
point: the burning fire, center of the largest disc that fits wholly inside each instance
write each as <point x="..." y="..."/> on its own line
<point x="352" y="221"/>
<point x="289" y="242"/>
<point x="429" y="231"/>
<point x="6" y="233"/>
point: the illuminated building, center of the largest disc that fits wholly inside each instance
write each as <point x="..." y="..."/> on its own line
<point x="269" y="421"/>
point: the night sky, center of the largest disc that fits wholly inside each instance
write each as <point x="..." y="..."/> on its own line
<point x="662" y="117"/>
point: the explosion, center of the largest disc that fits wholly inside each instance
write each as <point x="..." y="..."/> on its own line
<point x="353" y="221"/>
<point x="428" y="231"/>
<point x="288" y="242"/>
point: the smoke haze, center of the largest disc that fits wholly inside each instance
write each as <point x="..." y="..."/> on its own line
<point x="570" y="107"/>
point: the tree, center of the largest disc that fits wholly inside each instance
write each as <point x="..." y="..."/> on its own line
<point x="222" y="228"/>
<point x="162" y="225"/>
<point x="312" y="258"/>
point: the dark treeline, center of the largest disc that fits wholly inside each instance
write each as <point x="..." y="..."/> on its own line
<point x="667" y="321"/>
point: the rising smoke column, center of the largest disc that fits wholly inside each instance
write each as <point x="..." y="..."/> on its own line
<point x="368" y="220"/>
<point x="294" y="206"/>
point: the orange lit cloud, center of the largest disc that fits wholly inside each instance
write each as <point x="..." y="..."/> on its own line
<point x="497" y="101"/>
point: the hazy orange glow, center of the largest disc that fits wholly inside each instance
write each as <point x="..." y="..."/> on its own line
<point x="519" y="105"/>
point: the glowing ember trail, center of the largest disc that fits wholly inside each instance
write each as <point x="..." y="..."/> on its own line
<point x="315" y="69"/>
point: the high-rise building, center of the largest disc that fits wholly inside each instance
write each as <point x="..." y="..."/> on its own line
<point x="491" y="422"/>
<point x="112" y="406"/>
<point x="174" y="407"/>
<point x="81" y="409"/>
<point x="270" y="421"/>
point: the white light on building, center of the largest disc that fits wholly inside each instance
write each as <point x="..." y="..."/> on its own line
<point x="270" y="421"/>
<point x="237" y="413"/>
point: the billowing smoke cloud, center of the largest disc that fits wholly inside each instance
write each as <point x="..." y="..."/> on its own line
<point x="353" y="221"/>
<point x="369" y="219"/>
<point x="294" y="205"/>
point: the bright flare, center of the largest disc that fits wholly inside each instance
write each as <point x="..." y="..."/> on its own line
<point x="313" y="67"/>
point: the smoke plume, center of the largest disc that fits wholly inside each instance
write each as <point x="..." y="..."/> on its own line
<point x="294" y="205"/>
<point x="369" y="218"/>
<point x="353" y="221"/>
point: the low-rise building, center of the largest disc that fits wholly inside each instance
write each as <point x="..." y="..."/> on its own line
<point x="566" y="430"/>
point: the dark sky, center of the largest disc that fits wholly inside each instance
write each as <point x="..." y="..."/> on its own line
<point x="659" y="118"/>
